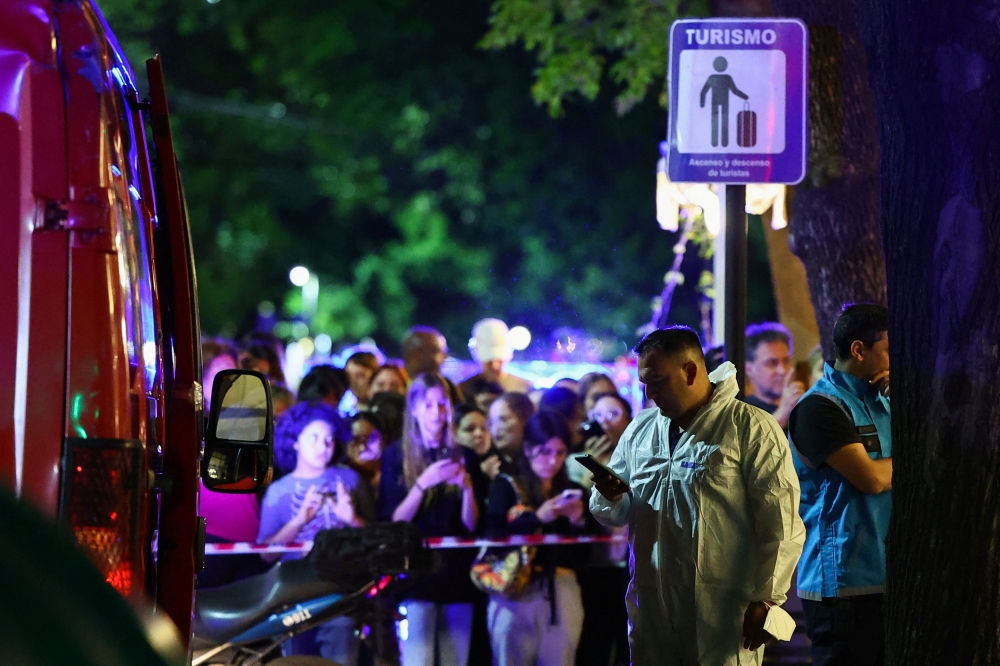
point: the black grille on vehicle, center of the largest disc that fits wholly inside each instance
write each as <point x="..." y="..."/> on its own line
<point x="102" y="483"/>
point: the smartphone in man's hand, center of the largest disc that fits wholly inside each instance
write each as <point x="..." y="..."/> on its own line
<point x="599" y="470"/>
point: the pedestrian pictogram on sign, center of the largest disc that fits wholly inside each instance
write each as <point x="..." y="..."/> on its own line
<point x="737" y="101"/>
<point x="720" y="85"/>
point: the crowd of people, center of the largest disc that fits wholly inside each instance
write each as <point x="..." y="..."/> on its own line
<point x="707" y="490"/>
<point x="487" y="457"/>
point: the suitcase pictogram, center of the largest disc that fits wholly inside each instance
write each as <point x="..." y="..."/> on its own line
<point x="746" y="127"/>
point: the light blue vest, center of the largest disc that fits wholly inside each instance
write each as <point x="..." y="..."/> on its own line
<point x="844" y="553"/>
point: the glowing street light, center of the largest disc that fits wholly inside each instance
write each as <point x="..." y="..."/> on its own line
<point x="519" y="338"/>
<point x="299" y="276"/>
<point x="324" y="343"/>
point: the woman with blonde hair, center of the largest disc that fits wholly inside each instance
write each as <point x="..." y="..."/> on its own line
<point x="427" y="480"/>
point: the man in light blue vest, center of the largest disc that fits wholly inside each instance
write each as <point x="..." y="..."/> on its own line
<point x="841" y="439"/>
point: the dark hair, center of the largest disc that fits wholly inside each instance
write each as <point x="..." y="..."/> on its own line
<point x="389" y="408"/>
<point x="859" y="321"/>
<point x="714" y="357"/>
<point x="588" y="380"/>
<point x="518" y="403"/>
<point x="562" y="401"/>
<point x="376" y="421"/>
<point x="464" y="409"/>
<point x="280" y="394"/>
<point x="321" y="382"/>
<point x="626" y="405"/>
<point x="290" y="425"/>
<point x="542" y="427"/>
<point x="416" y="337"/>
<point x="213" y="348"/>
<point x="265" y="347"/>
<point x="365" y="360"/>
<point x="671" y="340"/>
<point x="480" y="385"/>
<point x="763" y="333"/>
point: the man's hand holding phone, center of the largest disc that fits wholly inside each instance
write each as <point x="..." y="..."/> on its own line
<point x="610" y="486"/>
<point x="607" y="482"/>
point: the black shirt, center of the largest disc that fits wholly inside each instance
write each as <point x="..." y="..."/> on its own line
<point x="818" y="427"/>
<point x="483" y="484"/>
<point x="754" y="401"/>
<point x="674" y="433"/>
<point x="440" y="514"/>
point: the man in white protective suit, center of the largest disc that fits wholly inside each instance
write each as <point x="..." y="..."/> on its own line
<point x="712" y="505"/>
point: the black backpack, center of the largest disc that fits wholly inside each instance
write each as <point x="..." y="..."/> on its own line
<point x="354" y="556"/>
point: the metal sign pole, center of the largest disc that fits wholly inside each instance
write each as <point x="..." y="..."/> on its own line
<point x="736" y="279"/>
<point x="719" y="274"/>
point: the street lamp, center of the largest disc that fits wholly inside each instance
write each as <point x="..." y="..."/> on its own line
<point x="299" y="276"/>
<point x="309" y="283"/>
<point x="519" y="338"/>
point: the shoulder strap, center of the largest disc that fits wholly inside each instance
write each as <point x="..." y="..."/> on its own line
<point x="517" y="488"/>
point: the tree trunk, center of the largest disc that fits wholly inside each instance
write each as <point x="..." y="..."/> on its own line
<point x="791" y="292"/>
<point x="935" y="72"/>
<point x="834" y="213"/>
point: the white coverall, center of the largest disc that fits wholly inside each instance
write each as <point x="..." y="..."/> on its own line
<point x="712" y="527"/>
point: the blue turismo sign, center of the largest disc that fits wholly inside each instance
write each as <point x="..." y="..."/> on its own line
<point x="737" y="101"/>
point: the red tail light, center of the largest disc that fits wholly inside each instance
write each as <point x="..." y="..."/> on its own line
<point x="101" y="494"/>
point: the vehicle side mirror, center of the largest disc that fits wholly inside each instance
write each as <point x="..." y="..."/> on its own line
<point x="239" y="440"/>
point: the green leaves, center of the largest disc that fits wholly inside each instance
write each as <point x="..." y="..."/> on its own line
<point x="574" y="41"/>
<point x="409" y="169"/>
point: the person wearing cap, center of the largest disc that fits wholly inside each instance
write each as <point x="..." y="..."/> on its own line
<point x="489" y="346"/>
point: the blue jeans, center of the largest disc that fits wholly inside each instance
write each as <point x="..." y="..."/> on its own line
<point x="336" y="640"/>
<point x="434" y="634"/>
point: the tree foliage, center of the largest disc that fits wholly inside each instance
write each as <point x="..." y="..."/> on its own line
<point x="579" y="43"/>
<point x="379" y="145"/>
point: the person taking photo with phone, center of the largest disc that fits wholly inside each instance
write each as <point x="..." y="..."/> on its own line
<point x="709" y="491"/>
<point x="313" y="495"/>
<point x="427" y="480"/>
<point x="543" y="624"/>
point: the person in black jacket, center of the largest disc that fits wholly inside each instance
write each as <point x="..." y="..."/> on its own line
<point x="428" y="480"/>
<point x="543" y="625"/>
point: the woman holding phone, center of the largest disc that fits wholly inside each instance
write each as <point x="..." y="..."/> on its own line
<point x="427" y="480"/>
<point x="315" y="494"/>
<point x="543" y="625"/>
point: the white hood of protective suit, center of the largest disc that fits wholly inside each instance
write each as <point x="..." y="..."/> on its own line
<point x="713" y="526"/>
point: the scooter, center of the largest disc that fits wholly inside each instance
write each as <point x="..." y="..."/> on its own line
<point x="245" y="623"/>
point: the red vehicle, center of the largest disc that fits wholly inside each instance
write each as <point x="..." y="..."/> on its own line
<point x="100" y="370"/>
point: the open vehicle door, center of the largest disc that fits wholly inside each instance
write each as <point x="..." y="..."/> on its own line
<point x="181" y="537"/>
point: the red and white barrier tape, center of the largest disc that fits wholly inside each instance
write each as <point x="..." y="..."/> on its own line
<point x="434" y="543"/>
